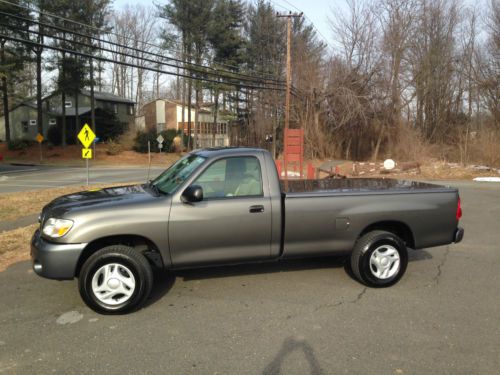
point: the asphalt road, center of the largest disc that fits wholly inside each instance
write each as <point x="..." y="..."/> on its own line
<point x="25" y="177"/>
<point x="302" y="317"/>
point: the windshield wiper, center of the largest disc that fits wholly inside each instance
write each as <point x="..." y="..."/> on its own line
<point x="154" y="188"/>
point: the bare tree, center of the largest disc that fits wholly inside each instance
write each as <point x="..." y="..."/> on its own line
<point x="433" y="63"/>
<point x="488" y="65"/>
<point x="398" y="23"/>
<point x="353" y="97"/>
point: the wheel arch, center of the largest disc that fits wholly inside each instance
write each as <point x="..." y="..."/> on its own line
<point x="137" y="242"/>
<point x="399" y="228"/>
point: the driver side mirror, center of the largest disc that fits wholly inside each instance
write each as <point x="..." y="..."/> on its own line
<point x="192" y="194"/>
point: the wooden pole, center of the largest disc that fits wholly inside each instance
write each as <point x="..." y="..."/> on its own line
<point x="289" y="17"/>
<point x="288" y="71"/>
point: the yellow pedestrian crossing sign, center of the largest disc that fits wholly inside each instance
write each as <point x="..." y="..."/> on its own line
<point x="86" y="136"/>
<point x="87" y="153"/>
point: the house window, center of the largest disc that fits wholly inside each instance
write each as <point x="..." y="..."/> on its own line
<point x="68" y="104"/>
<point x="32" y="122"/>
<point x="130" y="109"/>
<point x="24" y="125"/>
<point x="115" y="108"/>
<point x="52" y="121"/>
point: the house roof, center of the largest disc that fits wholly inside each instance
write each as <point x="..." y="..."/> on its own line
<point x="108" y="97"/>
<point x="30" y="105"/>
<point x="71" y="111"/>
<point x="98" y="95"/>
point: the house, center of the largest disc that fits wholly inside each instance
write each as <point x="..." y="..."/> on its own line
<point x="123" y="108"/>
<point x="23" y="117"/>
<point x="23" y="121"/>
<point x="207" y="135"/>
<point x="163" y="114"/>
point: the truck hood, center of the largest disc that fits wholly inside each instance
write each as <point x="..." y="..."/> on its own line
<point x="97" y="199"/>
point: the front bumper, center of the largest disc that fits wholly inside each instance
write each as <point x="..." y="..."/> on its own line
<point x="54" y="260"/>
<point x="459" y="234"/>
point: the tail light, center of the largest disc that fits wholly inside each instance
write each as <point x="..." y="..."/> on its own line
<point x="459" y="209"/>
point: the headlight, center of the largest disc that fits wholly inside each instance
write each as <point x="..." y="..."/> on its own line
<point x="56" y="228"/>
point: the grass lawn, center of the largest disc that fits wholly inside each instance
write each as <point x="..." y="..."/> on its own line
<point x="15" y="244"/>
<point x="16" y="205"/>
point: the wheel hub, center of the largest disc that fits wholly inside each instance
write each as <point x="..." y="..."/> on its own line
<point x="384" y="262"/>
<point x="113" y="284"/>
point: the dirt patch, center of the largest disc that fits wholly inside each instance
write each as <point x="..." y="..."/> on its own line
<point x="15" y="245"/>
<point x="72" y="155"/>
<point x="429" y="169"/>
<point x="16" y="205"/>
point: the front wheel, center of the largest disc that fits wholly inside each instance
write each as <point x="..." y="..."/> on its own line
<point x="115" y="280"/>
<point x="379" y="259"/>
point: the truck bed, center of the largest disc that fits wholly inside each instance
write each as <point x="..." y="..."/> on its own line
<point x="328" y="215"/>
<point x="357" y="186"/>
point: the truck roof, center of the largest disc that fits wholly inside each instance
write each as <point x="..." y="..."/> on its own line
<point x="216" y="151"/>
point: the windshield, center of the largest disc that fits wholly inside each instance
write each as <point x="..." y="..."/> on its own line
<point x="174" y="176"/>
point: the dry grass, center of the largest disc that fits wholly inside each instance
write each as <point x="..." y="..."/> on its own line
<point x="72" y="155"/>
<point x="16" y="205"/>
<point x="15" y="245"/>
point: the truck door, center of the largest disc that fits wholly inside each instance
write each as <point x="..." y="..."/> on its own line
<point x="233" y="221"/>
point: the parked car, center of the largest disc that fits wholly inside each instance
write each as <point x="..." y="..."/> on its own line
<point x="227" y="206"/>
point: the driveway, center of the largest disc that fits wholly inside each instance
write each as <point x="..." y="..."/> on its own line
<point x="301" y="317"/>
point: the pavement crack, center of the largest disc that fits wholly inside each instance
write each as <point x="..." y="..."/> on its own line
<point x="337" y="304"/>
<point x="328" y="306"/>
<point x="360" y="295"/>
<point x="441" y="265"/>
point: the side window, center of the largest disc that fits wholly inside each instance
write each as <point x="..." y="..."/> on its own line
<point x="232" y="177"/>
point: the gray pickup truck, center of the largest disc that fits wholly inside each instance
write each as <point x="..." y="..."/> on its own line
<point x="228" y="206"/>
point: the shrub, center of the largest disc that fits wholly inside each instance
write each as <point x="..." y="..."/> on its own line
<point x="114" y="148"/>
<point x="142" y="138"/>
<point x="127" y="139"/>
<point x="141" y="141"/>
<point x="20" y="144"/>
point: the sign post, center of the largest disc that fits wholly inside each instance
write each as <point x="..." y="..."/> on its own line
<point x="86" y="136"/>
<point x="160" y="140"/>
<point x="39" y="139"/>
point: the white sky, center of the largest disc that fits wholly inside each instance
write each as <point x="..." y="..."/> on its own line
<point x="315" y="10"/>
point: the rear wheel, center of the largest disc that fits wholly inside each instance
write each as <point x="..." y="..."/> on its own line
<point x="379" y="259"/>
<point x="115" y="280"/>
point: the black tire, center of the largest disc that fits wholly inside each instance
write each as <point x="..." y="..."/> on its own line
<point x="384" y="243"/>
<point x="131" y="266"/>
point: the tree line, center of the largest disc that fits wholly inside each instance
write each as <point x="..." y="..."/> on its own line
<point x="388" y="69"/>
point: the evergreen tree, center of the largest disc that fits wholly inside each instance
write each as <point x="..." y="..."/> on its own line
<point x="13" y="55"/>
<point x="191" y="19"/>
<point x="227" y="42"/>
<point x="76" y="72"/>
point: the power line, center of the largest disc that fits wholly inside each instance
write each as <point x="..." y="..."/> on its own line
<point x="125" y="37"/>
<point x="205" y="69"/>
<point x="311" y="22"/>
<point x="213" y="72"/>
<point x="100" y="58"/>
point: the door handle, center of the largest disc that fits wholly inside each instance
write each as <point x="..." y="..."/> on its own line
<point x="256" y="209"/>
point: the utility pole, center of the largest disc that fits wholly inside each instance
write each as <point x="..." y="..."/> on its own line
<point x="289" y="17"/>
